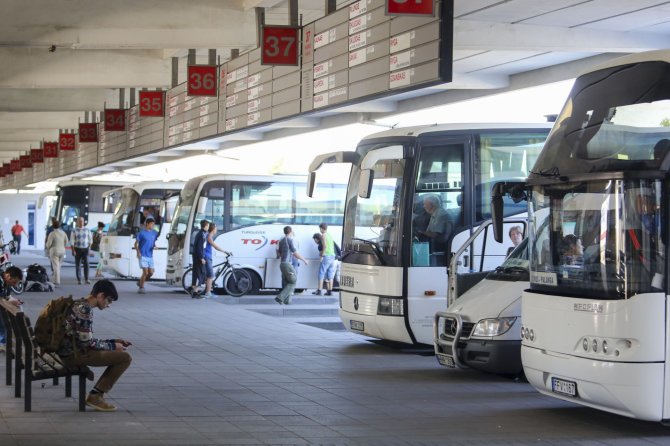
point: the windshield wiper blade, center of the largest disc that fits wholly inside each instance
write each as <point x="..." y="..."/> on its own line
<point x="553" y="172"/>
<point x="375" y="248"/>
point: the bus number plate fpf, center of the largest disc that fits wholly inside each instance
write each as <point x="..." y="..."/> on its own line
<point x="357" y="325"/>
<point x="446" y="360"/>
<point x="563" y="387"/>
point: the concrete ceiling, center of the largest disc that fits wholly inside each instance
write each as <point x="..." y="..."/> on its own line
<point x="62" y="58"/>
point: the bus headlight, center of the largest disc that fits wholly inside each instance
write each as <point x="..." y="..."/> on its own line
<point x="390" y="307"/>
<point x="493" y="327"/>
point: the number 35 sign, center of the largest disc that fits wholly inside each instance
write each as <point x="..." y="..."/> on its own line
<point x="201" y="80"/>
<point x="280" y="45"/>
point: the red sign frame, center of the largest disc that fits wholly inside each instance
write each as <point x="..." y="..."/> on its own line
<point x="410" y="7"/>
<point x="36" y="156"/>
<point x="50" y="149"/>
<point x="6" y="169"/>
<point x="67" y="141"/>
<point x="201" y="80"/>
<point x="152" y="104"/>
<point x="25" y="161"/>
<point x="88" y="132"/>
<point x="279" y="45"/>
<point x="15" y="165"/>
<point x="115" y="120"/>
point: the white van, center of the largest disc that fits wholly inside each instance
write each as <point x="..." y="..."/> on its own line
<point x="482" y="329"/>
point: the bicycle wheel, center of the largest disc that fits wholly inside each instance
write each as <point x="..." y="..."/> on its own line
<point x="18" y="288"/>
<point x="237" y="283"/>
<point x="186" y="279"/>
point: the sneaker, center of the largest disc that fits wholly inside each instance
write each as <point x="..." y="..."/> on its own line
<point x="141" y="291"/>
<point x="279" y="301"/>
<point x="78" y="282"/>
<point x="97" y="402"/>
<point x="206" y="295"/>
<point x="287" y="301"/>
<point x="317" y="292"/>
<point x="329" y="293"/>
<point x="88" y="282"/>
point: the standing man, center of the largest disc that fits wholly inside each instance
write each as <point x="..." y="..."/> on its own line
<point x="144" y="245"/>
<point x="286" y="251"/>
<point x="198" y="258"/>
<point x="9" y="278"/>
<point x="81" y="239"/>
<point x="327" y="267"/>
<point x="80" y="348"/>
<point x="17" y="230"/>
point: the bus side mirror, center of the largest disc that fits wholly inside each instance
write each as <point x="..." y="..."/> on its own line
<point x="311" y="180"/>
<point x="497" y="216"/>
<point x="365" y="183"/>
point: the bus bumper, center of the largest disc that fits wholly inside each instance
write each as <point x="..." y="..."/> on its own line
<point x="630" y="389"/>
<point x="382" y="327"/>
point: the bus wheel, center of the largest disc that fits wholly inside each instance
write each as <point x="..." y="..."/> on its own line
<point x="255" y="282"/>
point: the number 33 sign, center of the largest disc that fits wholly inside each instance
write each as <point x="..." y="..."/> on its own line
<point x="280" y="45"/>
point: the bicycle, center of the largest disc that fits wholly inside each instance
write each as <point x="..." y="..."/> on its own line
<point x="236" y="281"/>
<point x="6" y="263"/>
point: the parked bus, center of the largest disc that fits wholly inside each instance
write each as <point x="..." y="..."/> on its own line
<point x="74" y="199"/>
<point x="132" y="204"/>
<point x="414" y="195"/>
<point x="596" y="316"/>
<point x="251" y="212"/>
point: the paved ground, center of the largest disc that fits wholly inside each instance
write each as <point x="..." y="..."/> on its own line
<point x="218" y="371"/>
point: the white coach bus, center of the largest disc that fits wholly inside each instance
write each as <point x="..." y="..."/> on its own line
<point x="250" y="213"/>
<point x="414" y="193"/>
<point x="596" y="318"/>
<point x="132" y="204"/>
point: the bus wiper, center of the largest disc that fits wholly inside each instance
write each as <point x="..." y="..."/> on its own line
<point x="553" y="172"/>
<point x="375" y="247"/>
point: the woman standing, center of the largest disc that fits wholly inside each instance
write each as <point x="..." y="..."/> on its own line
<point x="56" y="242"/>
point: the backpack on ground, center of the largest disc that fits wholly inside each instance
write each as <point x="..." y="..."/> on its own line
<point x="50" y="324"/>
<point x="37" y="279"/>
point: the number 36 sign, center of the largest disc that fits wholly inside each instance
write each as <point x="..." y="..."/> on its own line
<point x="201" y="80"/>
<point x="280" y="45"/>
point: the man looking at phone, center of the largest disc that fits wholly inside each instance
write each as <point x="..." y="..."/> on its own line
<point x="81" y="348"/>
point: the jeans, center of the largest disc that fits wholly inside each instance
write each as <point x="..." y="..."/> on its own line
<point x="289" y="277"/>
<point x="81" y="254"/>
<point x="117" y="361"/>
<point x="17" y="239"/>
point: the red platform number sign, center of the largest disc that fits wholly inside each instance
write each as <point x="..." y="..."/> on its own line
<point x="24" y="160"/>
<point x="88" y="132"/>
<point x="280" y="45"/>
<point x="36" y="156"/>
<point x="201" y="80"/>
<point x="16" y="165"/>
<point x="410" y="7"/>
<point x="66" y="141"/>
<point x="50" y="150"/>
<point x="152" y="103"/>
<point x="115" y="120"/>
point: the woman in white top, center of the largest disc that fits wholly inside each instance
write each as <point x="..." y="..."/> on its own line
<point x="56" y="242"/>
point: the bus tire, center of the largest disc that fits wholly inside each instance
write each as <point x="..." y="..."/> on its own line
<point x="255" y="282"/>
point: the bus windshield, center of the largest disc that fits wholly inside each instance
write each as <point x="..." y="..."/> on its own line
<point x="374" y="228"/>
<point x="597" y="240"/>
<point x="124" y="215"/>
<point x="183" y="211"/>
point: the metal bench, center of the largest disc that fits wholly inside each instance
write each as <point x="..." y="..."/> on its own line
<point x="23" y="351"/>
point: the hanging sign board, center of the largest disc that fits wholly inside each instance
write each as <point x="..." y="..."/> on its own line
<point x="36" y="156"/>
<point x="50" y="150"/>
<point x="115" y="120"/>
<point x="280" y="45"/>
<point x="410" y="7"/>
<point x="66" y="141"/>
<point x="24" y="160"/>
<point x="152" y="103"/>
<point x="88" y="132"/>
<point x="15" y="165"/>
<point x="201" y="80"/>
<point x="6" y="169"/>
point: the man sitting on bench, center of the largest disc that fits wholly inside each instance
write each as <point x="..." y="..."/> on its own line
<point x="81" y="348"/>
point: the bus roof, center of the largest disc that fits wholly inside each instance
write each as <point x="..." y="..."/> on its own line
<point x="233" y="177"/>
<point x="91" y="183"/>
<point x="646" y="56"/>
<point x="421" y="130"/>
<point x="139" y="187"/>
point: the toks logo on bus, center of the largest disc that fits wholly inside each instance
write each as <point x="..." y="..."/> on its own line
<point x="259" y="243"/>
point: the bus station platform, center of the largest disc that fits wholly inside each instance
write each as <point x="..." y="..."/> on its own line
<point x="248" y="371"/>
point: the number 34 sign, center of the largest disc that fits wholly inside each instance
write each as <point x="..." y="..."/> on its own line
<point x="280" y="45"/>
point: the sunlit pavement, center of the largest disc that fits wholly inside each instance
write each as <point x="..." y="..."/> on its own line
<point x="247" y="371"/>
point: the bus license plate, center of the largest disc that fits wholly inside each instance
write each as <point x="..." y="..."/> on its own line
<point x="446" y="360"/>
<point x="357" y="325"/>
<point x="563" y="387"/>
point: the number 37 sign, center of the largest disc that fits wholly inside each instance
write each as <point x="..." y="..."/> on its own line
<point x="280" y="45"/>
